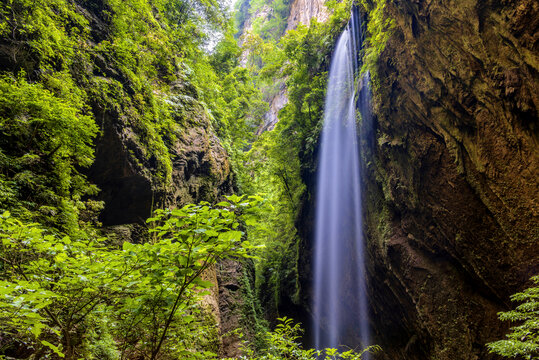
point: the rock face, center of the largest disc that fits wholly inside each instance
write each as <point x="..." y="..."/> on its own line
<point x="451" y="177"/>
<point x="231" y="302"/>
<point x="200" y="170"/>
<point x="452" y="192"/>
<point x="276" y="103"/>
<point x="303" y="11"/>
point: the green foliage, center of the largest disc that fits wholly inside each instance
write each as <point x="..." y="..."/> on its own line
<point x="52" y="282"/>
<point x="523" y="341"/>
<point x="274" y="25"/>
<point x="46" y="137"/>
<point x="379" y="28"/>
<point x="75" y="64"/>
<point x="52" y="29"/>
<point x="252" y="322"/>
<point x="186" y="242"/>
<point x="54" y="287"/>
<point x="241" y="13"/>
<point x="276" y="161"/>
<point x="284" y="344"/>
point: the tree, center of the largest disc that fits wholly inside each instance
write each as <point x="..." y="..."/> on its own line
<point x="167" y="277"/>
<point x="50" y="285"/>
<point x="523" y="341"/>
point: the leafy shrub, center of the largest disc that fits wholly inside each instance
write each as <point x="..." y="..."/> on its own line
<point x="284" y="344"/>
<point x="46" y="138"/>
<point x="53" y="288"/>
<point x="523" y="341"/>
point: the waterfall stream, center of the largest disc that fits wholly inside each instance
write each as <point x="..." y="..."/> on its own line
<point x="340" y="299"/>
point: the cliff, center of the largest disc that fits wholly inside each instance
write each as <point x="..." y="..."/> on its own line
<point x="295" y="13"/>
<point x="303" y="11"/>
<point x="452" y="194"/>
<point x="451" y="162"/>
<point x="127" y="178"/>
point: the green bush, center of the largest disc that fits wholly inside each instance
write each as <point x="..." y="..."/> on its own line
<point x="523" y="341"/>
<point x="46" y="138"/>
<point x="284" y="344"/>
<point x="54" y="288"/>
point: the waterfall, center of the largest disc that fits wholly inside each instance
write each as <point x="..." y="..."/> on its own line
<point x="340" y="300"/>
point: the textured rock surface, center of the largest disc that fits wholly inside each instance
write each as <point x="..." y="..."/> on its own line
<point x="230" y="303"/>
<point x="303" y="11"/>
<point x="276" y="103"/>
<point x="200" y="169"/>
<point x="453" y="194"/>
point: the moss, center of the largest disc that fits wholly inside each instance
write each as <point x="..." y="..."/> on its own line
<point x="252" y="319"/>
<point x="379" y="29"/>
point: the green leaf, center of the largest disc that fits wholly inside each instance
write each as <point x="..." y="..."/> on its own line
<point x="234" y="198"/>
<point x="230" y="236"/>
<point x="56" y="349"/>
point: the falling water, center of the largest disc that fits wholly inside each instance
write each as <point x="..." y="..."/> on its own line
<point x="340" y="301"/>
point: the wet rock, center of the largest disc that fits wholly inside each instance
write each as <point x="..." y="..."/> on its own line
<point x="452" y="193"/>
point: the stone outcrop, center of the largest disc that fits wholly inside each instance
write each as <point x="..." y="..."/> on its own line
<point x="231" y="302"/>
<point x="276" y="103"/>
<point x="452" y="193"/>
<point x="200" y="168"/>
<point x="303" y="11"/>
<point x="241" y="322"/>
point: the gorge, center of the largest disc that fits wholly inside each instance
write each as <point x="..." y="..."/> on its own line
<point x="110" y="110"/>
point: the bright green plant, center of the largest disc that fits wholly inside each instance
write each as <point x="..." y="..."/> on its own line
<point x="284" y="343"/>
<point x="186" y="243"/>
<point x="63" y="72"/>
<point x="272" y="27"/>
<point x="52" y="286"/>
<point x="523" y="341"/>
<point x="46" y="138"/>
<point x="379" y="28"/>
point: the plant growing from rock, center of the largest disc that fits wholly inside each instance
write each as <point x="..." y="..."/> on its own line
<point x="523" y="341"/>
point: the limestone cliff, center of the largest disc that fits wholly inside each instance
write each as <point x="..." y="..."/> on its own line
<point x="303" y="11"/>
<point x="452" y="191"/>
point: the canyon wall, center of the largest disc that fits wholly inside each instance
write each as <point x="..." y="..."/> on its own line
<point x="452" y="193"/>
<point x="300" y="12"/>
<point x="303" y="11"/>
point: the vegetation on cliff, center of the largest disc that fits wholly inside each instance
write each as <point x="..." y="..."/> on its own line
<point x="162" y="76"/>
<point x="523" y="340"/>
